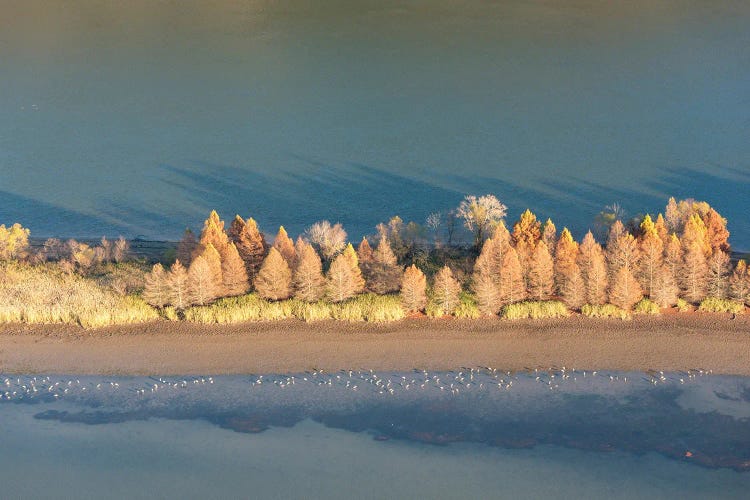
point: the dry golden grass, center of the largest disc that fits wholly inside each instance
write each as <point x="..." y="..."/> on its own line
<point x="365" y="307"/>
<point x="44" y="294"/>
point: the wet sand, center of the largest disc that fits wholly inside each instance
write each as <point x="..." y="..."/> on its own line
<point x="669" y="342"/>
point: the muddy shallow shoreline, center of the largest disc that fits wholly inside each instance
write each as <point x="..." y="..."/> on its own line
<point x="668" y="342"/>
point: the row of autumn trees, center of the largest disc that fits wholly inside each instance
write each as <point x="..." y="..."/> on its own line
<point x="680" y="254"/>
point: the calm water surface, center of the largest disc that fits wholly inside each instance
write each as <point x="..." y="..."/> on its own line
<point x="138" y="117"/>
<point x="484" y="434"/>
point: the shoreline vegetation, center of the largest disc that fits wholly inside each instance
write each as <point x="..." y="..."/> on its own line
<point x="677" y="261"/>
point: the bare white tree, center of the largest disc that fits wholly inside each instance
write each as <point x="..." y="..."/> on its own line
<point x="329" y="239"/>
<point x="434" y="220"/>
<point x="481" y="215"/>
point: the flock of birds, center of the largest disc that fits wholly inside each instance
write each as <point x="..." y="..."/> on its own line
<point x="467" y="380"/>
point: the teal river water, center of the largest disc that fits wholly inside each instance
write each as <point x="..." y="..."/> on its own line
<point x="462" y="434"/>
<point x="138" y="117"/>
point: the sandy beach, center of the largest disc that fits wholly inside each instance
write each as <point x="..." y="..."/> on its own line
<point x="669" y="342"/>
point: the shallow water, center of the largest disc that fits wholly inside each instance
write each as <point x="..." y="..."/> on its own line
<point x="138" y="117"/>
<point x="485" y="433"/>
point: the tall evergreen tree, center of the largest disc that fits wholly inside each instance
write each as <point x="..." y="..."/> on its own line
<point x="202" y="288"/>
<point x="285" y="246"/>
<point x="364" y="251"/>
<point x="156" y="289"/>
<point x="274" y="280"/>
<point x="651" y="252"/>
<point x="549" y="236"/>
<point x="673" y="255"/>
<point x="717" y="233"/>
<point x="541" y="273"/>
<point x="665" y="290"/>
<point x="250" y="244"/>
<point x="341" y="280"/>
<point x="485" y="281"/>
<point x="624" y="289"/>
<point x="622" y="251"/>
<point x="213" y="258"/>
<point x="446" y="290"/>
<point x="593" y="270"/>
<point x="566" y="254"/>
<point x="413" y="289"/>
<point x="573" y="290"/>
<point x="718" y="274"/>
<point x="308" y="280"/>
<point x="351" y="257"/>
<point x="661" y="228"/>
<point x="526" y="235"/>
<point x="233" y="273"/>
<point x="672" y="216"/>
<point x="693" y="272"/>
<point x="739" y="283"/>
<point x="512" y="286"/>
<point x="179" y="286"/>
<point x="695" y="232"/>
<point x="384" y="254"/>
<point x="213" y="233"/>
<point x="527" y="231"/>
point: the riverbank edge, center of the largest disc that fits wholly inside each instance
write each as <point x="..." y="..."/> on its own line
<point x="673" y="342"/>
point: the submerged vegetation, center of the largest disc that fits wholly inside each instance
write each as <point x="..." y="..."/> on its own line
<point x="523" y="270"/>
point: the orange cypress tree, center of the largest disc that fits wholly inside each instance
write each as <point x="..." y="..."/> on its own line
<point x="651" y="251"/>
<point x="364" y="251"/>
<point x="526" y="235"/>
<point x="413" y="289"/>
<point x="527" y="231"/>
<point x="446" y="290"/>
<point x="573" y="290"/>
<point x="341" y="282"/>
<point x="665" y="289"/>
<point x="299" y="248"/>
<point x="616" y="230"/>
<point x="624" y="290"/>
<point x="214" y="262"/>
<point x="274" y="280"/>
<point x="213" y="233"/>
<point x="622" y="251"/>
<point x="541" y="273"/>
<point x="673" y="217"/>
<point x="693" y="272"/>
<point x="202" y="288"/>
<point x="718" y="274"/>
<point x="661" y="228"/>
<point x="501" y="236"/>
<point x="383" y="253"/>
<point x="695" y="233"/>
<point x="179" y="286"/>
<point x="156" y="289"/>
<point x="285" y="246"/>
<point x="351" y="257"/>
<point x="233" y="272"/>
<point x="485" y="279"/>
<point x="593" y="270"/>
<point x="308" y="280"/>
<point x="673" y="255"/>
<point x="716" y="229"/>
<point x="512" y="286"/>
<point x="549" y="236"/>
<point x="739" y="283"/>
<point x="566" y="254"/>
<point x="250" y="244"/>
<point x="382" y="273"/>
